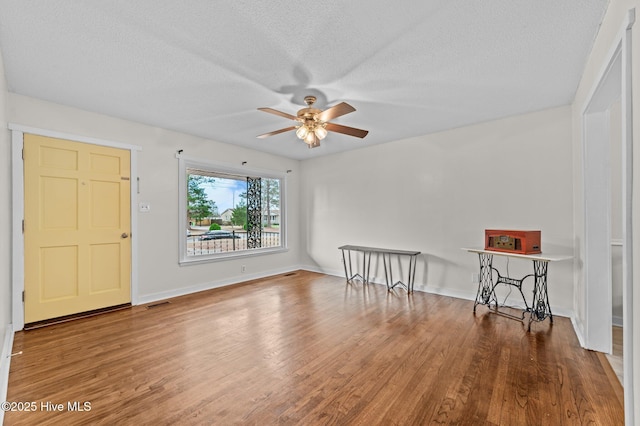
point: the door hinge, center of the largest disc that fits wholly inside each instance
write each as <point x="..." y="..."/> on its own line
<point x="23" y="226"/>
<point x="23" y="153"/>
<point x="23" y="296"/>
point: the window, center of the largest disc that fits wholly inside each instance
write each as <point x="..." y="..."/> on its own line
<point x="227" y="211"/>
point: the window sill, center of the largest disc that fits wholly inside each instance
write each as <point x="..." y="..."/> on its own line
<point x="193" y="260"/>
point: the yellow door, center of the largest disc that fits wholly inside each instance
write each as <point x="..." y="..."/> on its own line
<point x="77" y="227"/>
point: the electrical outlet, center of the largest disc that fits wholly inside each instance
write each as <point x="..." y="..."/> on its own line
<point x="243" y="269"/>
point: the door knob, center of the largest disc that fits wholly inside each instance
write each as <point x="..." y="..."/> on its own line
<point x="124" y="235"/>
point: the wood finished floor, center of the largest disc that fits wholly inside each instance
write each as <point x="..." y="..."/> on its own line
<point x="615" y="358"/>
<point x="310" y="349"/>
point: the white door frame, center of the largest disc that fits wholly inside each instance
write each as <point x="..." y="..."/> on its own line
<point x="614" y="83"/>
<point x="17" y="202"/>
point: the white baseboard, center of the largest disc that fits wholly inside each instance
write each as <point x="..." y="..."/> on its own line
<point x="154" y="297"/>
<point x="442" y="291"/>
<point x="315" y="268"/>
<point x="617" y="321"/>
<point x="5" y="363"/>
<point x="578" y="330"/>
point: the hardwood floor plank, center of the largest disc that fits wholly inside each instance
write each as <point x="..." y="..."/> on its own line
<point x="310" y="349"/>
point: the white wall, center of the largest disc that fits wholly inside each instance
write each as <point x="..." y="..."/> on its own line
<point x="438" y="193"/>
<point x="160" y="275"/>
<point x="5" y="209"/>
<point x="5" y="241"/>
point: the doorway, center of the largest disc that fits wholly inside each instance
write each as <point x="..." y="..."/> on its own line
<point x="77" y="227"/>
<point x="102" y="277"/>
<point x="612" y="86"/>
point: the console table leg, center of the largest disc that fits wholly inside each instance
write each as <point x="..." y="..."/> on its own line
<point x="485" y="284"/>
<point x="540" y="308"/>
<point x="413" y="260"/>
<point x="364" y="268"/>
<point x="390" y="273"/>
<point x="344" y="264"/>
<point x="348" y="268"/>
<point x="386" y="272"/>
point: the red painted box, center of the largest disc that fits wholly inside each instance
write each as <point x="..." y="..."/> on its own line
<point x="521" y="242"/>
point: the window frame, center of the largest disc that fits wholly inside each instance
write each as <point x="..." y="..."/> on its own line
<point x="186" y="163"/>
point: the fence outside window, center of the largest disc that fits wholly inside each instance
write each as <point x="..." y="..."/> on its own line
<point x="198" y="247"/>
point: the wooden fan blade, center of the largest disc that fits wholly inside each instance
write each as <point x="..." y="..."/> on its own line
<point x="275" y="132"/>
<point x="351" y="131"/>
<point x="280" y="113"/>
<point x="335" y="111"/>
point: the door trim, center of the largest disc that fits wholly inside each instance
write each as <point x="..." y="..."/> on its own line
<point x="594" y="116"/>
<point x="17" y="203"/>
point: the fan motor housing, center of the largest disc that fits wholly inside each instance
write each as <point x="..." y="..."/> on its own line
<point x="308" y="113"/>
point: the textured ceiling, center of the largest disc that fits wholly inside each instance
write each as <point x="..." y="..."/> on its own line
<point x="202" y="67"/>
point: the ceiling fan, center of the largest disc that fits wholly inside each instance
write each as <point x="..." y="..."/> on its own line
<point x="314" y="123"/>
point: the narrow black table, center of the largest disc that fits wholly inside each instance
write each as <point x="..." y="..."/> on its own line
<point x="386" y="258"/>
<point x="540" y="308"/>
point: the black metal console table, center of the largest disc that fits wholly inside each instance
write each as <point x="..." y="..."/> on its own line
<point x="386" y="258"/>
<point x="540" y="308"/>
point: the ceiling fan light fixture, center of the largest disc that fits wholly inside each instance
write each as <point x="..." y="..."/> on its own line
<point x="310" y="138"/>
<point x="320" y="132"/>
<point x="302" y="132"/>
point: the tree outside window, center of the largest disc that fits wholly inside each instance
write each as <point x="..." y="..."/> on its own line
<point x="199" y="206"/>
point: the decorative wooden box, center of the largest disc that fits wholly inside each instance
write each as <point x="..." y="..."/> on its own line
<point x="521" y="242"/>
